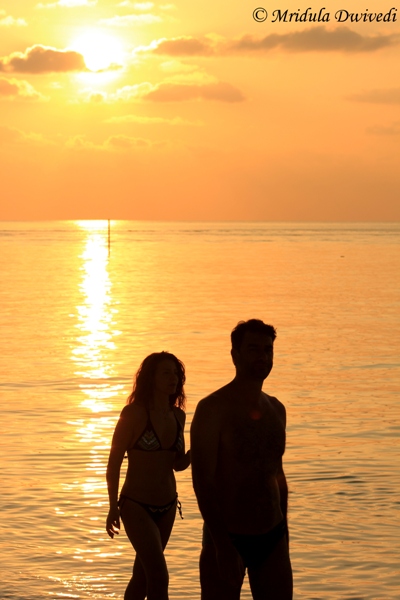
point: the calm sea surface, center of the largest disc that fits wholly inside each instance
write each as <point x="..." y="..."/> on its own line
<point x="76" y="321"/>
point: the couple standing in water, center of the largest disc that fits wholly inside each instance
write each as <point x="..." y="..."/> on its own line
<point x="237" y="444"/>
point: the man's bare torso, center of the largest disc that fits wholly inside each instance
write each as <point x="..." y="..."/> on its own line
<point x="251" y="445"/>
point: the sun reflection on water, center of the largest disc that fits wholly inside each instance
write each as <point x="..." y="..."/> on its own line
<point x="95" y="343"/>
<point x="93" y="354"/>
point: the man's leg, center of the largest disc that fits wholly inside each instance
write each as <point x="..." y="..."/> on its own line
<point x="273" y="579"/>
<point x="213" y="587"/>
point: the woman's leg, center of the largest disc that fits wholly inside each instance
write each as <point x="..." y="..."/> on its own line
<point x="137" y="587"/>
<point x="150" y="574"/>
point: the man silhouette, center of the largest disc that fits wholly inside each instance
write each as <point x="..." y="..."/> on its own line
<point x="237" y="444"/>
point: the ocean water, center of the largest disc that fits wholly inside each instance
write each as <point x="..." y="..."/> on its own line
<point x="77" y="318"/>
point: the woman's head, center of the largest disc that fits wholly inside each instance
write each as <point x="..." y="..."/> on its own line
<point x="154" y="371"/>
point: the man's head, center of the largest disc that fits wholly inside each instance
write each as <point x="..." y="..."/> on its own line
<point x="252" y="348"/>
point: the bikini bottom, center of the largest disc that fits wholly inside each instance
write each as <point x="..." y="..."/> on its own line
<point x="255" y="549"/>
<point x="154" y="511"/>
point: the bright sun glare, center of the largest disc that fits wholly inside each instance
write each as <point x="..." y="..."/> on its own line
<point x="99" y="50"/>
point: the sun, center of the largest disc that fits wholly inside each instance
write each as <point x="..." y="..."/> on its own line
<point x="100" y="51"/>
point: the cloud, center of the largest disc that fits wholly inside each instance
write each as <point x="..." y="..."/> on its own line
<point x="124" y="142"/>
<point x="67" y="4"/>
<point x="13" y="88"/>
<point x="389" y="96"/>
<point x="183" y="46"/>
<point x="145" y="6"/>
<point x="9" y="21"/>
<point x="128" y="20"/>
<point x="128" y="93"/>
<point x="146" y="14"/>
<point x="42" y="59"/>
<point x="113" y="143"/>
<point x="176" y="66"/>
<point x="316" y="39"/>
<point x="96" y="97"/>
<point x="170" y="92"/>
<point x="11" y="135"/>
<point x="391" y="130"/>
<point x="142" y="120"/>
<point x="195" y="77"/>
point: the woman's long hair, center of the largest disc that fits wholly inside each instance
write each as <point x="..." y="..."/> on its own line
<point x="143" y="385"/>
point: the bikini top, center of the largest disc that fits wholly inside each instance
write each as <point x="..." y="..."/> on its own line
<point x="150" y="442"/>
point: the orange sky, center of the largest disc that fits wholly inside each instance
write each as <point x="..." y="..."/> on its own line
<point x="192" y="110"/>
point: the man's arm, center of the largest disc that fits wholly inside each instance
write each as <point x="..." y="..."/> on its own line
<point x="205" y="439"/>
<point x="283" y="491"/>
<point x="204" y="435"/>
<point x="280" y="477"/>
<point x="283" y="494"/>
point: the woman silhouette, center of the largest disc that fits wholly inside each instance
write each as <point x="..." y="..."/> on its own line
<point x="151" y="431"/>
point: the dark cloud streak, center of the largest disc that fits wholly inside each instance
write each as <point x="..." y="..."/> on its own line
<point x="185" y="46"/>
<point x="41" y="59"/>
<point x="389" y="96"/>
<point x="316" y="39"/>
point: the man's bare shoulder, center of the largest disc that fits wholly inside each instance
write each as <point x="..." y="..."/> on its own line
<point x="215" y="400"/>
<point x="276" y="404"/>
<point x="212" y="408"/>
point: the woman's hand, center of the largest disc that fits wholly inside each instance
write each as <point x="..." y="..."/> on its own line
<point x="182" y="462"/>
<point x="113" y="521"/>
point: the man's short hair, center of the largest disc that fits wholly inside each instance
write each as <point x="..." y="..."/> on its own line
<point x="253" y="326"/>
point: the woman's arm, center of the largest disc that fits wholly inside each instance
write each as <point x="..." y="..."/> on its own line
<point x="182" y="459"/>
<point x="120" y="441"/>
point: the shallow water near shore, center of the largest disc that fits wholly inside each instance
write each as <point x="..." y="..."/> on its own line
<point x="77" y="319"/>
